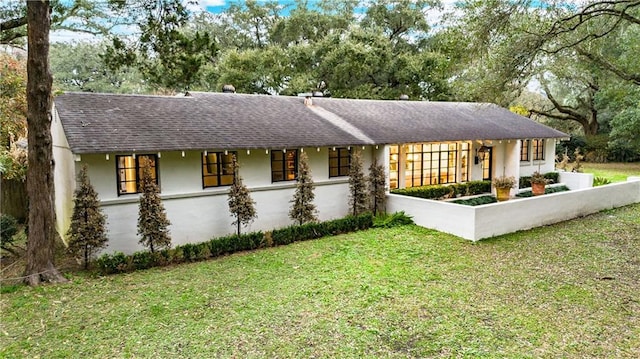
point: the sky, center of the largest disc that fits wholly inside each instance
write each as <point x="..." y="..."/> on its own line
<point x="217" y="7"/>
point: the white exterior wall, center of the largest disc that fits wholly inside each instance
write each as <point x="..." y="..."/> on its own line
<point x="198" y="214"/>
<point x="489" y="220"/>
<point x="576" y="180"/>
<point x="64" y="176"/>
<point x="547" y="165"/>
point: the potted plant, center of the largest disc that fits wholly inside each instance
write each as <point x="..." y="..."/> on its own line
<point x="538" y="183"/>
<point x="503" y="185"/>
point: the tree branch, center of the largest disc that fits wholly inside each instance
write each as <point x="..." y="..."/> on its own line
<point x="13" y="23"/>
<point x="634" y="78"/>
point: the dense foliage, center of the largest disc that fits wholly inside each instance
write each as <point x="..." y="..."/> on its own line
<point x="302" y="208"/>
<point x="358" y="194"/>
<point x="377" y="187"/>
<point x="241" y="205"/>
<point x="119" y="262"/>
<point x="152" y="218"/>
<point x="87" y="232"/>
<point x="446" y="191"/>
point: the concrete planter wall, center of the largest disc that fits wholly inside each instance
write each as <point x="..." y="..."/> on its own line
<point x="475" y="223"/>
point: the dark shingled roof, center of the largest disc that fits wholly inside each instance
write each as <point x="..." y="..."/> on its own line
<point x="421" y="121"/>
<point x="102" y="123"/>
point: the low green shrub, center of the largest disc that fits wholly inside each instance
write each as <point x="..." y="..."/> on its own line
<point x="446" y="191"/>
<point x="112" y="263"/>
<point x="142" y="260"/>
<point x="547" y="190"/>
<point x="392" y="220"/>
<point x="476" y="201"/>
<point x="478" y="187"/>
<point x="600" y="181"/>
<point x="190" y="252"/>
<point x="315" y="230"/>
<point x="525" y="181"/>
<point x="8" y="229"/>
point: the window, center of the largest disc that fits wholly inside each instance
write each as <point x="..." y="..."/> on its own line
<point x="217" y="169"/>
<point x="428" y="164"/>
<point x="284" y="165"/>
<point x="129" y="172"/>
<point x="464" y="159"/>
<point x="538" y="150"/>
<point x="524" y="150"/>
<point x="393" y="166"/>
<point x="339" y="161"/>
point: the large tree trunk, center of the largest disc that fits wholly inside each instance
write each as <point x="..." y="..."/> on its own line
<point x="41" y="241"/>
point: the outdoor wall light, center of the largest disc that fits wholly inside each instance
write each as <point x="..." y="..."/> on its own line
<point x="481" y="153"/>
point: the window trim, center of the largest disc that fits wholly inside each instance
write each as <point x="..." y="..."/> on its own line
<point x="136" y="158"/>
<point x="443" y="155"/>
<point x="538" y="149"/>
<point x="219" y="167"/>
<point x="285" y="170"/>
<point x="525" y="151"/>
<point x="341" y="166"/>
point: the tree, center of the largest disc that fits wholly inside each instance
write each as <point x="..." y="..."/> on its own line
<point x="13" y="117"/>
<point x="152" y="219"/>
<point x="167" y="53"/>
<point x="241" y="206"/>
<point x="78" y="67"/>
<point x="42" y="236"/>
<point x="90" y="17"/>
<point x="87" y="233"/>
<point x="302" y="209"/>
<point x="358" y="195"/>
<point x="377" y="189"/>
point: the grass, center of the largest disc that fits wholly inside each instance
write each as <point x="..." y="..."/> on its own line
<point x="616" y="172"/>
<point x="569" y="290"/>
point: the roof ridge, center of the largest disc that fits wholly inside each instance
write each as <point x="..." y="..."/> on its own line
<point x="341" y="123"/>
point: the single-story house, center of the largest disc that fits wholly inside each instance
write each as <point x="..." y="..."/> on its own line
<point x="190" y="140"/>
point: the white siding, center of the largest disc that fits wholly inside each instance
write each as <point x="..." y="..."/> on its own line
<point x="199" y="214"/>
<point x="63" y="177"/>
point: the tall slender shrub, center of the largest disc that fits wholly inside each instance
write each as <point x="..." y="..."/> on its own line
<point x="377" y="190"/>
<point x="302" y="209"/>
<point x="241" y="206"/>
<point x="358" y="195"/>
<point x="87" y="233"/>
<point x="152" y="218"/>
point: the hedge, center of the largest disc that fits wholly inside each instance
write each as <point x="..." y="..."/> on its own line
<point x="119" y="262"/>
<point x="525" y="181"/>
<point x="547" y="190"/>
<point x="470" y="188"/>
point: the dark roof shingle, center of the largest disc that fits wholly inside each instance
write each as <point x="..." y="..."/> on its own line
<point x="102" y="123"/>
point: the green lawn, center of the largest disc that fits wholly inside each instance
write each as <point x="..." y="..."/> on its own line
<point x="569" y="290"/>
<point x="616" y="172"/>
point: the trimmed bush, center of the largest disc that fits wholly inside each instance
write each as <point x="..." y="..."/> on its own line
<point x="142" y="260"/>
<point x="446" y="191"/>
<point x="8" y="229"/>
<point x="112" y="263"/>
<point x="547" y="190"/>
<point x="477" y="201"/>
<point x="190" y="252"/>
<point x="308" y="231"/>
<point x="525" y="181"/>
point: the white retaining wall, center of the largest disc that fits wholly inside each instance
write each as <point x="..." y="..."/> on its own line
<point x="475" y="223"/>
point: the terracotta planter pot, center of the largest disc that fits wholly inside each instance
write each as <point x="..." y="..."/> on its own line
<point x="502" y="194"/>
<point x="537" y="188"/>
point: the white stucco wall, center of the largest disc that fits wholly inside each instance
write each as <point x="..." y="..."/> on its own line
<point x="547" y="165"/>
<point x="576" y="180"/>
<point x="63" y="177"/>
<point x="199" y="214"/>
<point x="490" y="220"/>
